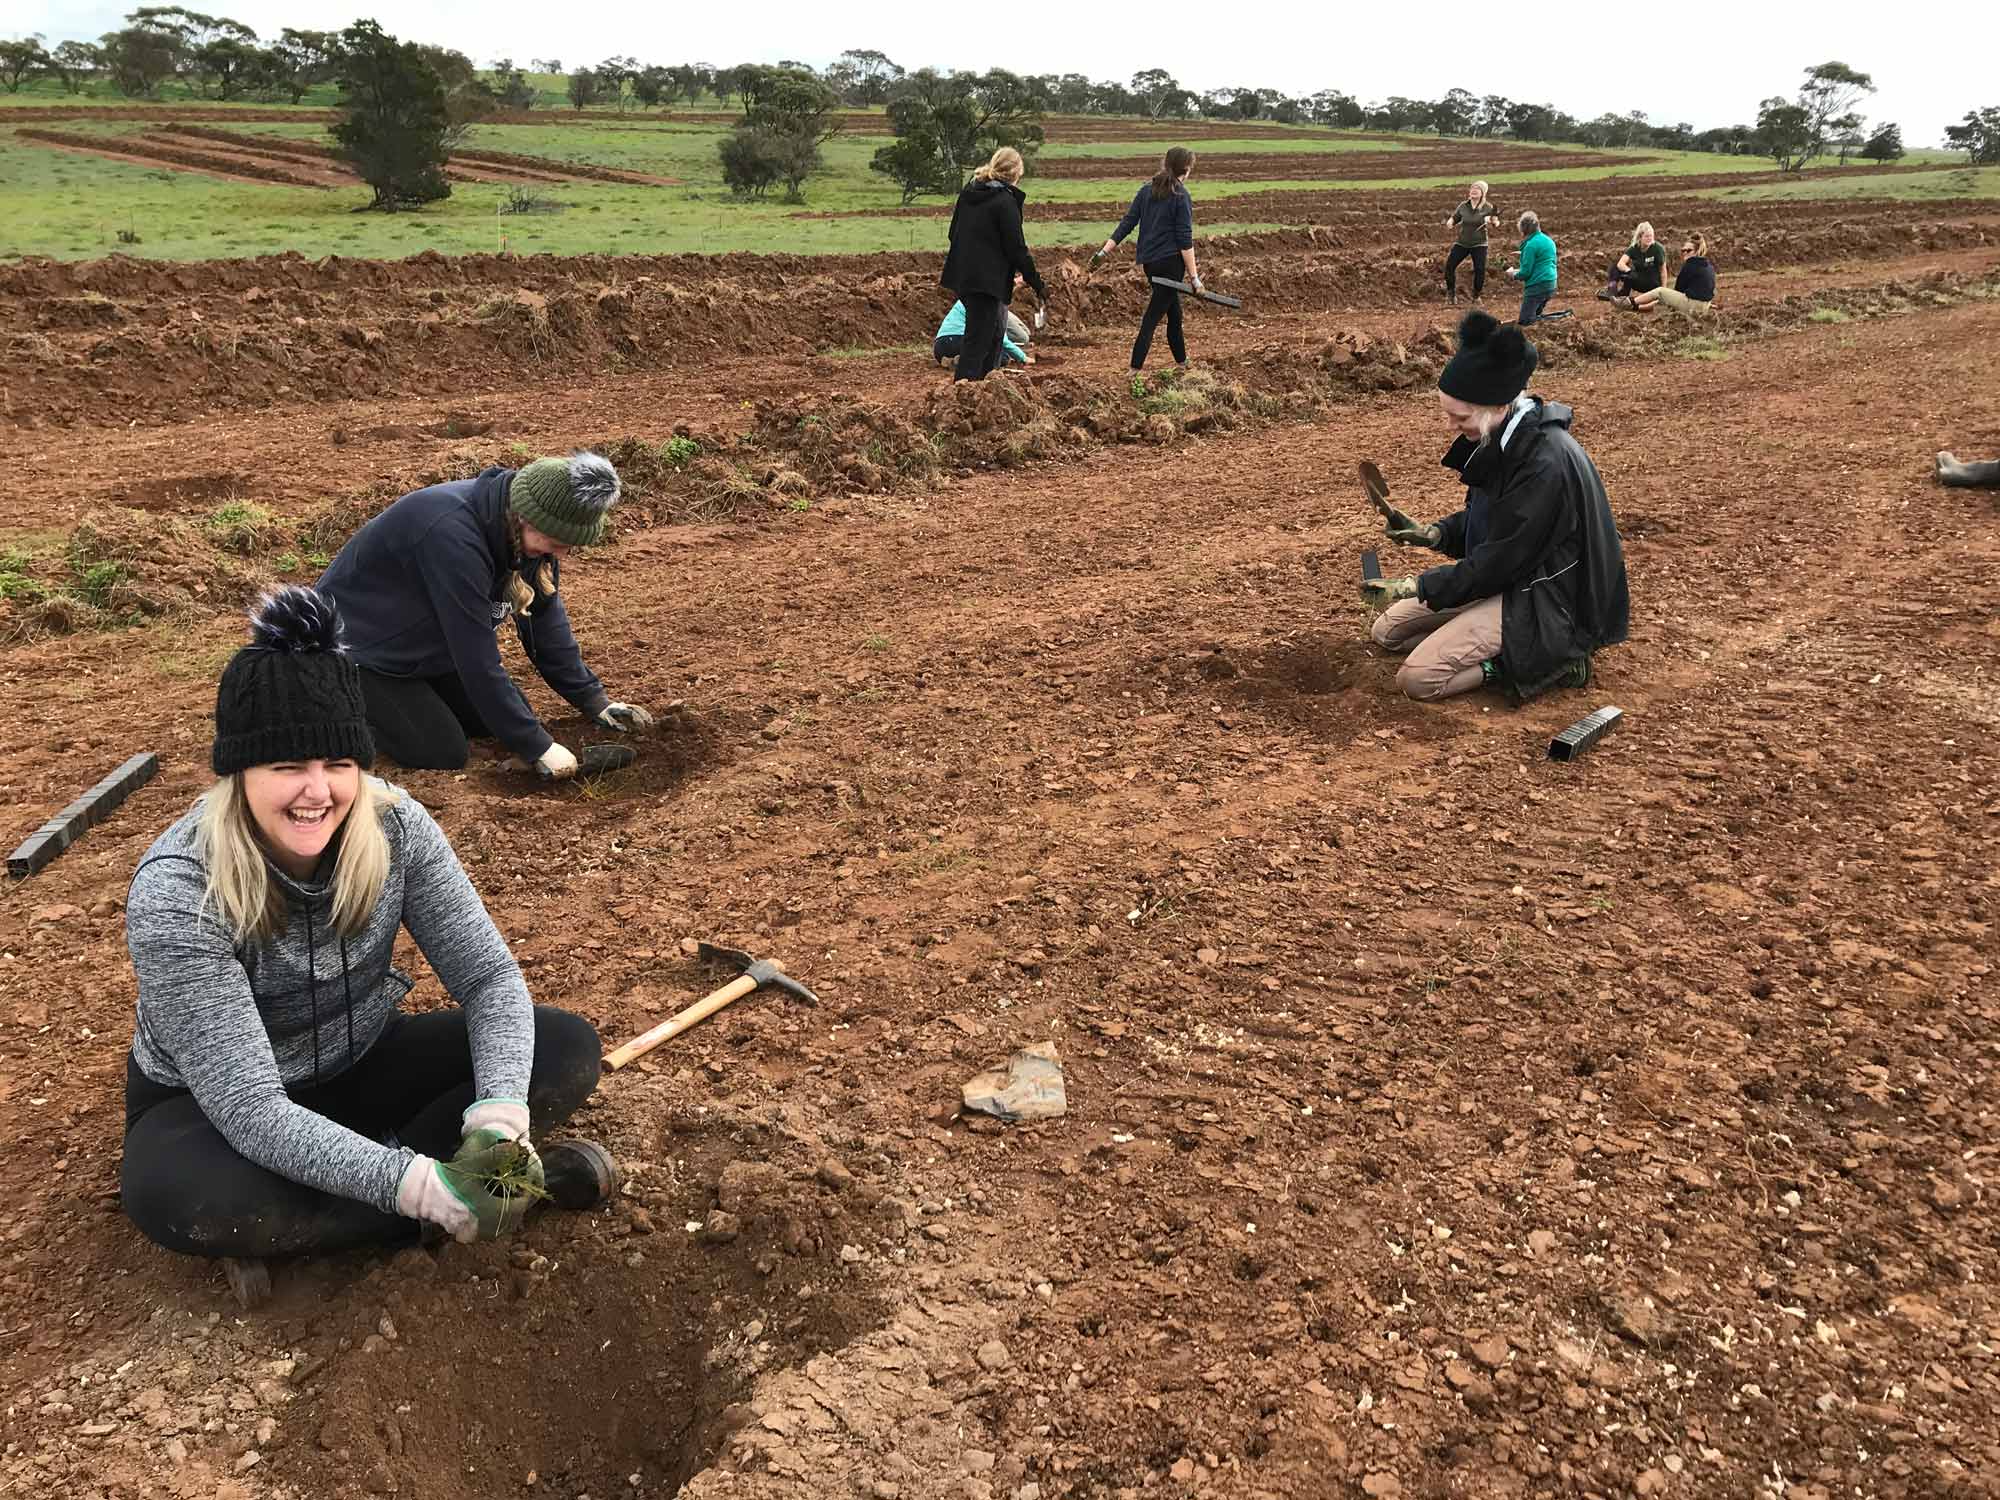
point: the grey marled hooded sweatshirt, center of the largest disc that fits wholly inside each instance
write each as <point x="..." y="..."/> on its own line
<point x="239" y="1027"/>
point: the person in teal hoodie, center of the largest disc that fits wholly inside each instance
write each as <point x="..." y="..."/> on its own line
<point x="1537" y="270"/>
<point x="950" y="338"/>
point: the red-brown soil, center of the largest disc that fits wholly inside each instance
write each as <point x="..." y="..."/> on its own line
<point x="138" y="340"/>
<point x="1442" y="1120"/>
<point x="250" y="158"/>
<point x="526" y="168"/>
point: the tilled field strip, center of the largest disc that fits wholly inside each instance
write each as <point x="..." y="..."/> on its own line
<point x="1441" y="1114"/>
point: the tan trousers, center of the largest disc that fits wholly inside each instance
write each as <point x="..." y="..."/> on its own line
<point x="1682" y="303"/>
<point x="1445" y="646"/>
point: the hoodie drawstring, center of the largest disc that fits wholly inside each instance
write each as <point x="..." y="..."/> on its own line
<point x="312" y="990"/>
<point x="347" y="993"/>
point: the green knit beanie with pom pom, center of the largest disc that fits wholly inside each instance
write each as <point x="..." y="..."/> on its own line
<point x="566" y="498"/>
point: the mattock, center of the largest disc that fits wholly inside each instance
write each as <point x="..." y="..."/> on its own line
<point x="755" y="973"/>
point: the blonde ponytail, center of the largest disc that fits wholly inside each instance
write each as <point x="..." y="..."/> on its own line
<point x="1006" y="165"/>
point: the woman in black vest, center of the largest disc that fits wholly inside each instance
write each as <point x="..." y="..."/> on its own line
<point x="988" y="249"/>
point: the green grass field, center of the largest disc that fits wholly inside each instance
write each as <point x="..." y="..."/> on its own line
<point x="70" y="205"/>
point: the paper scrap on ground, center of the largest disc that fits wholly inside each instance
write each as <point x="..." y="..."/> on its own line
<point x="1029" y="1087"/>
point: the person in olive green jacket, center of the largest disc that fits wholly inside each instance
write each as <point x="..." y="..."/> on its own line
<point x="1537" y="270"/>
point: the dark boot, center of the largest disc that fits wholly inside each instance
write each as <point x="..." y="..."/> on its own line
<point x="579" y="1174"/>
<point x="1972" y="476"/>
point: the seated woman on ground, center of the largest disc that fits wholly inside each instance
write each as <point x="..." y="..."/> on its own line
<point x="277" y="1098"/>
<point x="1693" y="293"/>
<point x="1641" y="268"/>
<point x="950" y="338"/>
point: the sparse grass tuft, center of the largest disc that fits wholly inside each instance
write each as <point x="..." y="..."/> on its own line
<point x="1827" y="315"/>
<point x="92" y="582"/>
<point x="1700" y="348"/>
<point x="241" y="526"/>
<point x="15" y="583"/>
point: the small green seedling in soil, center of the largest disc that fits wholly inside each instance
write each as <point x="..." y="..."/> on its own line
<point x="1827" y="315"/>
<point x="679" y="451"/>
<point x="509" y="1180"/>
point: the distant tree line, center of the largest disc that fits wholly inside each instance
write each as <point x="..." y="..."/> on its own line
<point x="945" y="122"/>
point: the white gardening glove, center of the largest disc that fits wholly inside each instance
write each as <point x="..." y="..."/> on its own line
<point x="507" y="1117"/>
<point x="425" y="1194"/>
<point x="624" y="716"/>
<point x="555" y="764"/>
<point x="1196" y="283"/>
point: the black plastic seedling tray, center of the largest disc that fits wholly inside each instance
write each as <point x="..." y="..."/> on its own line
<point x="1584" y="733"/>
<point x="92" y="808"/>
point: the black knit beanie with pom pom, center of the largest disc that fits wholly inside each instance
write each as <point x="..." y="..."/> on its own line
<point x="1493" y="363"/>
<point x="292" y="693"/>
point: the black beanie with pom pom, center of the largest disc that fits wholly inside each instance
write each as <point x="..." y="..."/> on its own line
<point x="1493" y="363"/>
<point x="292" y="693"/>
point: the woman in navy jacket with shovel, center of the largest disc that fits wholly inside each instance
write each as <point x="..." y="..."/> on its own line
<point x="988" y="249"/>
<point x="425" y="585"/>
<point x="1163" y="213"/>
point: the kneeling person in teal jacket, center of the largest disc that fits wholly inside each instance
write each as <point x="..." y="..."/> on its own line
<point x="1537" y="271"/>
<point x="950" y="338"/>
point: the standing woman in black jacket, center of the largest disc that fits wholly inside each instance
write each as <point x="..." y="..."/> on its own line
<point x="988" y="249"/>
<point x="1163" y="213"/>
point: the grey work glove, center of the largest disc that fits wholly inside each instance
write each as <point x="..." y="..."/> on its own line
<point x="1380" y="593"/>
<point x="624" y="716"/>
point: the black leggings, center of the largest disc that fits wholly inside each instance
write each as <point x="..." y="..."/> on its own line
<point x="985" y="320"/>
<point x="1477" y="254"/>
<point x="422" y="723"/>
<point x="1166" y="303"/>
<point x="188" y="1189"/>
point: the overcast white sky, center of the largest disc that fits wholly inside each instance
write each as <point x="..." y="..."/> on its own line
<point x="1931" y="59"/>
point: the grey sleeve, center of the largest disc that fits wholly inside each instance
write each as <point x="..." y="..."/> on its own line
<point x="197" y="1007"/>
<point x="445" y="915"/>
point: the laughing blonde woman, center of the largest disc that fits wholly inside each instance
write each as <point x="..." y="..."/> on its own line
<point x="277" y="1099"/>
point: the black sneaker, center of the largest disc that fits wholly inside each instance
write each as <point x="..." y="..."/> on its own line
<point x="1604" y="294"/>
<point x="1576" y="674"/>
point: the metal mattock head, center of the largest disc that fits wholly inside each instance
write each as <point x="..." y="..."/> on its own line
<point x="724" y="958"/>
<point x="766" y="971"/>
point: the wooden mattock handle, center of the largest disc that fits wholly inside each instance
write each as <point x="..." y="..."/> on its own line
<point x="673" y="1026"/>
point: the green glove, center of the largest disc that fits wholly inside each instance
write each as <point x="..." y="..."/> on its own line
<point x="497" y="1179"/>
<point x="1402" y="530"/>
<point x="1380" y="593"/>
